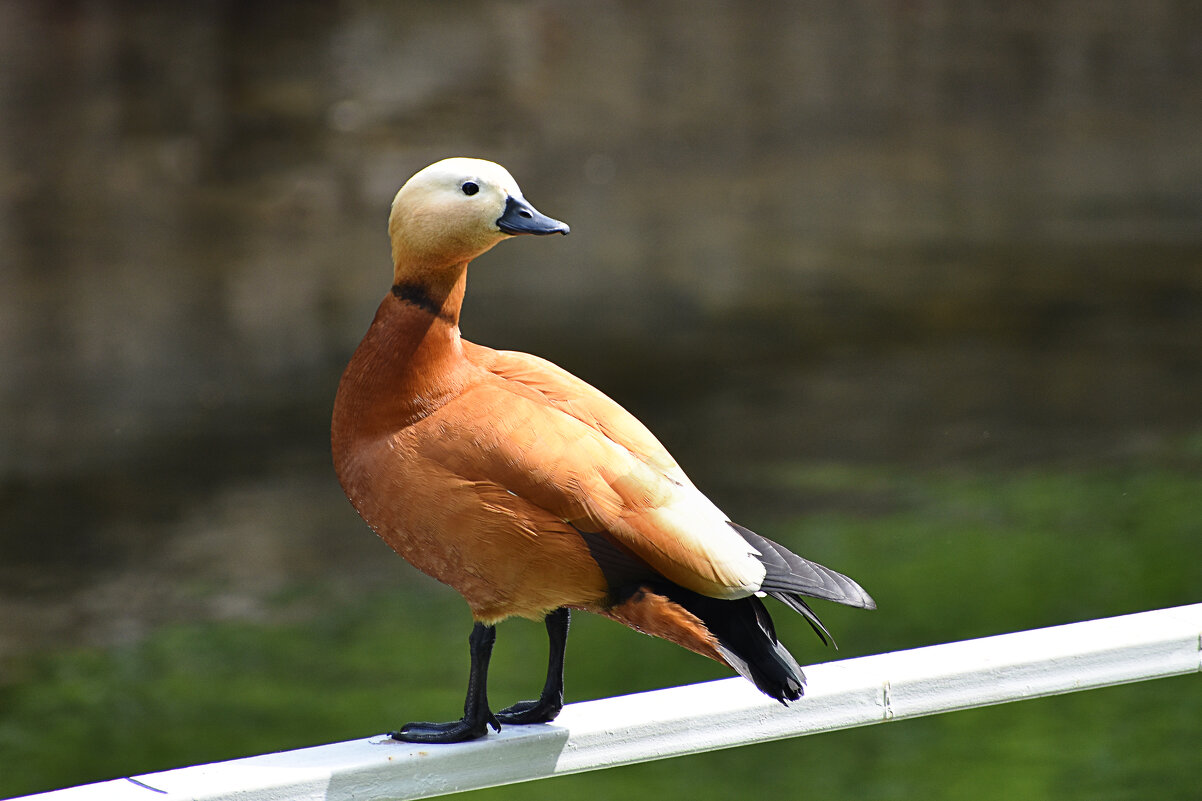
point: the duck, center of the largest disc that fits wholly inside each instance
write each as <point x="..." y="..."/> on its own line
<point x="530" y="492"/>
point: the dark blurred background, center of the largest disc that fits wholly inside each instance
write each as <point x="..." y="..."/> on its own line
<point x="825" y="239"/>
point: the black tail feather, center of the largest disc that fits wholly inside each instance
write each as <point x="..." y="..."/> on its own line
<point x="798" y="604"/>
<point x="746" y="639"/>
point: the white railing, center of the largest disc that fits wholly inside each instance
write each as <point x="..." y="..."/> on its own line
<point x="702" y="717"/>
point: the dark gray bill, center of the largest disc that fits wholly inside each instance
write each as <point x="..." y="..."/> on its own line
<point x="522" y="218"/>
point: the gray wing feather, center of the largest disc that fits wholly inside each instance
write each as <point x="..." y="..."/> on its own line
<point x="790" y="574"/>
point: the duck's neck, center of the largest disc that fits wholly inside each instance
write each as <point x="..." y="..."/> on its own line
<point x="440" y="300"/>
<point x="409" y="362"/>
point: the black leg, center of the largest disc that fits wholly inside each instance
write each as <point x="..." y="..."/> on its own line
<point x="550" y="702"/>
<point x="477" y="717"/>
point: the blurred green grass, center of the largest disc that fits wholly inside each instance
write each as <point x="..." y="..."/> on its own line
<point x="947" y="555"/>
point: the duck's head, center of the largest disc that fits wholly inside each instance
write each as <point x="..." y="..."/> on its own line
<point x="454" y="210"/>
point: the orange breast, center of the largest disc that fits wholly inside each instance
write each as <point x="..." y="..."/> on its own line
<point x="503" y="553"/>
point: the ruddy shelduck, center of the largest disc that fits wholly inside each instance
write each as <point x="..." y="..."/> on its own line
<point x="527" y="490"/>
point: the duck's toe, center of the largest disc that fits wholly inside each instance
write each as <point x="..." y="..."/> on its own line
<point x="456" y="731"/>
<point x="524" y="712"/>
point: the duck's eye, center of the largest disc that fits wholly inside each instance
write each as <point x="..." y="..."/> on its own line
<point x="470" y="187"/>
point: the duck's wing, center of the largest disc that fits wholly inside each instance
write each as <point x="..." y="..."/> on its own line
<point x="681" y="514"/>
<point x="555" y="441"/>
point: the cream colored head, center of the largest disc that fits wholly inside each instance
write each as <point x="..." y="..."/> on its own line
<point x="454" y="210"/>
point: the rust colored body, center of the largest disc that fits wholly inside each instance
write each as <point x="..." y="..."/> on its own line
<point x="527" y="490"/>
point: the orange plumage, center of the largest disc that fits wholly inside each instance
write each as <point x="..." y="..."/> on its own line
<point x="526" y="489"/>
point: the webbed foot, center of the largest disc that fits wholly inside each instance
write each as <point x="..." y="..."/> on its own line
<point x="456" y="731"/>
<point x="524" y="712"/>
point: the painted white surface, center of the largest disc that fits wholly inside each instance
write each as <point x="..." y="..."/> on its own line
<point x="701" y="717"/>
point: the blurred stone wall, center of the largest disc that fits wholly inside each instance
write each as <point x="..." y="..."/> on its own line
<point x="193" y="195"/>
<point x="923" y="229"/>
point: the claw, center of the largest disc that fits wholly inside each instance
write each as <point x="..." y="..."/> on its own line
<point x="526" y="712"/>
